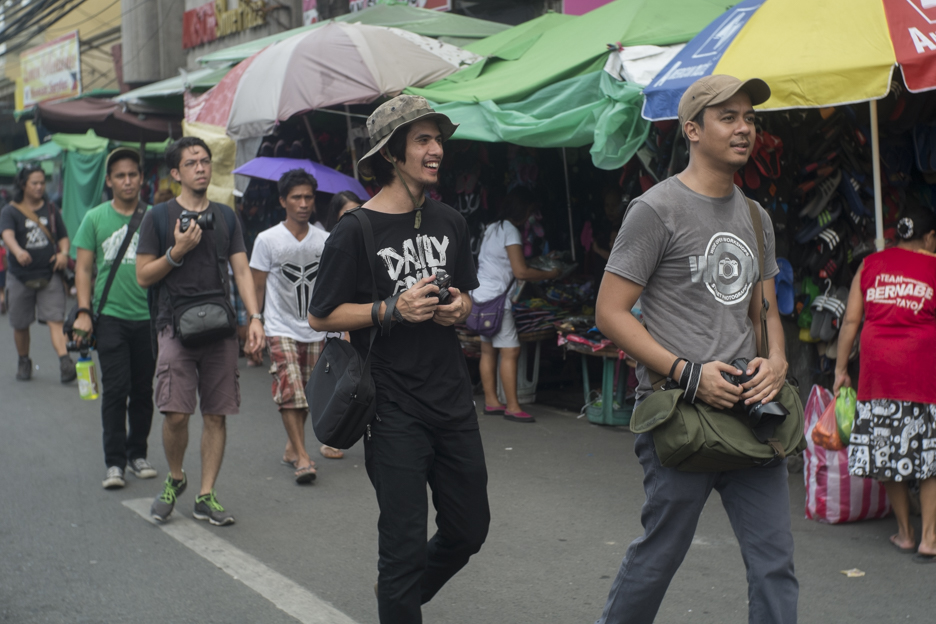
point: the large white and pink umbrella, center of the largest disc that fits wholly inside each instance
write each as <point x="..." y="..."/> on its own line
<point x="336" y="64"/>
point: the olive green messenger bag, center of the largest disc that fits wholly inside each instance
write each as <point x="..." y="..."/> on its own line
<point x="696" y="437"/>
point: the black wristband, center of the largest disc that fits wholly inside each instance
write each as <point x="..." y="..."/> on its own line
<point x="689" y="380"/>
<point x="86" y="311"/>
<point x="375" y="314"/>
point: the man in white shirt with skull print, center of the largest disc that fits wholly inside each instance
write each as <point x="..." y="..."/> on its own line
<point x="284" y="263"/>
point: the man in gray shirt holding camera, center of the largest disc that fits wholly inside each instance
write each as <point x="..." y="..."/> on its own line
<point x="688" y="250"/>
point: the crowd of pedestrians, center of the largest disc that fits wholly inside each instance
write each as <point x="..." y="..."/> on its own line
<point x="154" y="289"/>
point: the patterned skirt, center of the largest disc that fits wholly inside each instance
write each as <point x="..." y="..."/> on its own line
<point x="893" y="441"/>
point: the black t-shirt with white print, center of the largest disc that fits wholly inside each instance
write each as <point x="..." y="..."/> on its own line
<point x="421" y="368"/>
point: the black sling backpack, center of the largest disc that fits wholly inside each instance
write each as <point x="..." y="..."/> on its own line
<point x="340" y="391"/>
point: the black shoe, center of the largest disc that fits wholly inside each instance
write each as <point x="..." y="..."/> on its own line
<point x="67" y="368"/>
<point x="24" y="368"/>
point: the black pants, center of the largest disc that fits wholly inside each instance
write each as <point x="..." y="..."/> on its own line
<point x="402" y="455"/>
<point x="127" y="367"/>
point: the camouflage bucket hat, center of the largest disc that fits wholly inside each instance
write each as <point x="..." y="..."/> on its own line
<point x="398" y="112"/>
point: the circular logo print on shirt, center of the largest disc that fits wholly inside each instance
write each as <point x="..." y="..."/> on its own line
<point x="727" y="268"/>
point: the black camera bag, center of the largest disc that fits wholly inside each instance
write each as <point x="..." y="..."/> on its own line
<point x="209" y="316"/>
<point x="340" y="390"/>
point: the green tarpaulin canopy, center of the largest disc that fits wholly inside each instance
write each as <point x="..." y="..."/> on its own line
<point x="170" y="91"/>
<point x="593" y="108"/>
<point x="577" y="46"/>
<point x="542" y="84"/>
<point x="46" y="151"/>
<point x="449" y="27"/>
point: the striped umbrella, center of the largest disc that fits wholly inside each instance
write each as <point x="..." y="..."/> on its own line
<point x="811" y="53"/>
<point x="336" y="64"/>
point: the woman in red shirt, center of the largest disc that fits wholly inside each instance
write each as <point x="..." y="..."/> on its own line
<point x="894" y="436"/>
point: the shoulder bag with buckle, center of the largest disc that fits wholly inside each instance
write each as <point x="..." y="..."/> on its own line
<point x="486" y="317"/>
<point x="340" y="391"/>
<point x="696" y="437"/>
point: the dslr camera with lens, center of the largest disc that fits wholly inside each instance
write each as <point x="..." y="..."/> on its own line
<point x="205" y="220"/>
<point x="760" y="415"/>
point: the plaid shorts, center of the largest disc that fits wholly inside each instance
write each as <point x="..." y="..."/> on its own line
<point x="292" y="365"/>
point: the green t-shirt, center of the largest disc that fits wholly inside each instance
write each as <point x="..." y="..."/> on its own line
<point x="102" y="231"/>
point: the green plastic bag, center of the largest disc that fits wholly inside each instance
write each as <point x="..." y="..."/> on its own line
<point x="845" y="407"/>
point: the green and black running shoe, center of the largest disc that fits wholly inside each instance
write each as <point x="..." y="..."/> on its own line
<point x="165" y="502"/>
<point x="208" y="508"/>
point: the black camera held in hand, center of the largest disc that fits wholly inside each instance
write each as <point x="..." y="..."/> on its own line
<point x="761" y="415"/>
<point x="443" y="280"/>
<point x="205" y="220"/>
<point x="81" y="342"/>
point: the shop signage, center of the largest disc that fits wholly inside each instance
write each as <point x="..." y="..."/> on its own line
<point x="581" y="7"/>
<point x="215" y="20"/>
<point x="51" y="71"/>
<point x="435" y="5"/>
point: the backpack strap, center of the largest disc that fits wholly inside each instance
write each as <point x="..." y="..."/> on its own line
<point x="370" y="248"/>
<point x="759" y="235"/>
<point x="223" y="243"/>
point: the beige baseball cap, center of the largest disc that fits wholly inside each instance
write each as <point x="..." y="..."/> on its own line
<point x="712" y="90"/>
<point x="122" y="152"/>
<point x="398" y="112"/>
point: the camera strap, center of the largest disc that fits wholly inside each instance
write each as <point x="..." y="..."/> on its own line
<point x="132" y="227"/>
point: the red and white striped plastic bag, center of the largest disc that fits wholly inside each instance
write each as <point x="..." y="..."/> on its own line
<point x="832" y="495"/>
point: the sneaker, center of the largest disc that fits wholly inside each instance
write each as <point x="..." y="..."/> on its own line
<point x="67" y="368"/>
<point x="24" y="368"/>
<point x="142" y="469"/>
<point x="165" y="502"/>
<point x="114" y="478"/>
<point x="208" y="508"/>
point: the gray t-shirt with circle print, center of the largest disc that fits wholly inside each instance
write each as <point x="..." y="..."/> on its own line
<point x="696" y="258"/>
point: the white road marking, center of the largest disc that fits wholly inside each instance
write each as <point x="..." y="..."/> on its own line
<point x="284" y="593"/>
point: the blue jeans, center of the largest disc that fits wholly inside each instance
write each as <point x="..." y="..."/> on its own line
<point x="758" y="504"/>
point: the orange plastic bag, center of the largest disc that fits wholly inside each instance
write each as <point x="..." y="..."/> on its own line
<point x="825" y="433"/>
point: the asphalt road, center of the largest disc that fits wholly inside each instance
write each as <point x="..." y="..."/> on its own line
<point x="565" y="497"/>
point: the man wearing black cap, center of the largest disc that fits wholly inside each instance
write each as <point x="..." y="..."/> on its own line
<point x="426" y="430"/>
<point x="688" y="250"/>
<point x="122" y="328"/>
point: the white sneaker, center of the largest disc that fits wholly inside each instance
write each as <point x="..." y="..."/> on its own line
<point x="114" y="478"/>
<point x="142" y="469"/>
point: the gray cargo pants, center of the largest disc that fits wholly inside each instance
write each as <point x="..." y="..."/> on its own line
<point x="758" y="504"/>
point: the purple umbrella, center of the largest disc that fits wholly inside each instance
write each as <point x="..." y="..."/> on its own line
<point x="329" y="180"/>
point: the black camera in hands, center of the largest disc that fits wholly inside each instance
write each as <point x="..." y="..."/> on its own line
<point x="443" y="280"/>
<point x="205" y="220"/>
<point x="760" y="414"/>
<point x="83" y="344"/>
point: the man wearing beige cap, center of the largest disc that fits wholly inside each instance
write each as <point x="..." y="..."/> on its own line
<point x="426" y="428"/>
<point x="688" y="250"/>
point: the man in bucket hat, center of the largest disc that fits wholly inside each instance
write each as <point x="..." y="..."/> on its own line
<point x="688" y="249"/>
<point x="426" y="429"/>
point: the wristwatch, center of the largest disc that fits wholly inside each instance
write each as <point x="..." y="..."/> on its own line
<point x="259" y="317"/>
